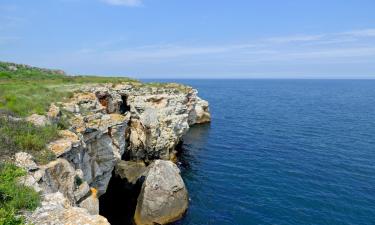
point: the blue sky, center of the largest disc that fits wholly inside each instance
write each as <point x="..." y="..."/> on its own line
<point x="193" y="38"/>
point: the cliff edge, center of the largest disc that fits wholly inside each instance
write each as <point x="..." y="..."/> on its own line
<point x="110" y="125"/>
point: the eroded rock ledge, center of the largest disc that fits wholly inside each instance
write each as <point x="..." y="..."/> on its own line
<point x="136" y="127"/>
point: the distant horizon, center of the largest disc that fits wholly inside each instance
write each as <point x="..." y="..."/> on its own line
<point x="170" y="39"/>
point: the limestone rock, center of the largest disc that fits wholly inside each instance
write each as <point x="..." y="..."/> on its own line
<point x="56" y="210"/>
<point x="30" y="181"/>
<point x="82" y="190"/>
<point x="25" y="160"/>
<point x="130" y="170"/>
<point x="91" y="203"/>
<point x="163" y="198"/>
<point x="202" y="112"/>
<point x="65" y="143"/>
<point x="59" y="175"/>
<point x="38" y="120"/>
<point x="53" y="113"/>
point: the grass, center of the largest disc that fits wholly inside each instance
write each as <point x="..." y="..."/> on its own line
<point x="16" y="136"/>
<point x="14" y="197"/>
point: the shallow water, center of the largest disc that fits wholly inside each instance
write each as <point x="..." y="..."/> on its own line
<point x="282" y="152"/>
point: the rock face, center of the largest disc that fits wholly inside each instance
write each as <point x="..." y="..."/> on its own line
<point x="159" y="119"/>
<point x="163" y="198"/>
<point x="123" y="126"/>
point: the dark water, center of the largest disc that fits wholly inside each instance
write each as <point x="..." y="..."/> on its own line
<point x="282" y="152"/>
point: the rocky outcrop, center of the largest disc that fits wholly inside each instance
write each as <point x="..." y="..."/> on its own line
<point x="163" y="198"/>
<point x="56" y="210"/>
<point x="122" y="126"/>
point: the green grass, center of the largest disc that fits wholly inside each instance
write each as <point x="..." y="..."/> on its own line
<point x="24" y="97"/>
<point x="16" y="136"/>
<point x="14" y="197"/>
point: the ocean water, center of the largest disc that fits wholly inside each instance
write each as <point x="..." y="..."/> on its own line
<point x="282" y="152"/>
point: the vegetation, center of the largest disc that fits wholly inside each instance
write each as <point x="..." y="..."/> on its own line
<point x="14" y="197"/>
<point x="175" y="86"/>
<point x="18" y="136"/>
<point x="26" y="90"/>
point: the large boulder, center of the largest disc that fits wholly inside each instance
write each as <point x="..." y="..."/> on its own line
<point x="163" y="198"/>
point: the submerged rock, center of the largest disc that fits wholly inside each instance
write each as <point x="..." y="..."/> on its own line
<point x="163" y="198"/>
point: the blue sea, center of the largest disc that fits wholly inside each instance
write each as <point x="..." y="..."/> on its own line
<point x="282" y="152"/>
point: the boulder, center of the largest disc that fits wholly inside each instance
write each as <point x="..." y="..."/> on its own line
<point x="163" y="198"/>
<point x="38" y="120"/>
<point x="25" y="161"/>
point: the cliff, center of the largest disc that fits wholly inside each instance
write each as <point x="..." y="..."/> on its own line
<point x="113" y="125"/>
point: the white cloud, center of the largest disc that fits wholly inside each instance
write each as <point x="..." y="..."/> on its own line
<point x="131" y="3"/>
<point x="361" y="33"/>
<point x="312" y="51"/>
<point x="296" y="38"/>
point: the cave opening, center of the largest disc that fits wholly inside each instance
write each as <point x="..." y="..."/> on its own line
<point x="124" y="107"/>
<point x="119" y="202"/>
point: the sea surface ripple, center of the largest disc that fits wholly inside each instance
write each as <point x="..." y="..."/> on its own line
<point x="282" y="152"/>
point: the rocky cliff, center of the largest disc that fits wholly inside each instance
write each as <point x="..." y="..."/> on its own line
<point x="110" y="125"/>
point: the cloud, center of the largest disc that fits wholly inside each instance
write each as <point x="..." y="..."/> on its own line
<point x="296" y="38"/>
<point x="348" y="49"/>
<point x="361" y="33"/>
<point x="130" y="3"/>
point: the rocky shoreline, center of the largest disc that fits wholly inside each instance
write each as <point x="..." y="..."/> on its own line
<point x="127" y="130"/>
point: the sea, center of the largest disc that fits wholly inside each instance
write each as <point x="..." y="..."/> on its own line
<point x="282" y="152"/>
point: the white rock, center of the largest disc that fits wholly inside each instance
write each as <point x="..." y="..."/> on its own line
<point x="163" y="198"/>
<point x="25" y="161"/>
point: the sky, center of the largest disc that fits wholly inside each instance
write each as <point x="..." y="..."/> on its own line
<point x="192" y="38"/>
